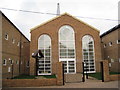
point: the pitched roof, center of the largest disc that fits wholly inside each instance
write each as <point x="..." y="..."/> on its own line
<point x="13" y="24"/>
<point x="61" y="16"/>
<point x="111" y="30"/>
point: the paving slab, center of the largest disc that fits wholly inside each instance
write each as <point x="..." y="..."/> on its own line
<point x="89" y="83"/>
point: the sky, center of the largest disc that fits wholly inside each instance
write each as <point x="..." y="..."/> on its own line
<point x="101" y="14"/>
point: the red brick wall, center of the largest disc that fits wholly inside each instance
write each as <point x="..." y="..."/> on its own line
<point x="28" y="82"/>
<point x="114" y="77"/>
<point x="12" y="51"/>
<point x="111" y="52"/>
<point x="107" y="76"/>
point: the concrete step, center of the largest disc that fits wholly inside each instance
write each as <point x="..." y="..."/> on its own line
<point x="73" y="77"/>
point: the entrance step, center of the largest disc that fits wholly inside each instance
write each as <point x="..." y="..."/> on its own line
<point x="73" y="77"/>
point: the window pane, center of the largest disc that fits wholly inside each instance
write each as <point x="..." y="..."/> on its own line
<point x="62" y="44"/>
<point x="47" y="58"/>
<point x="63" y="54"/>
<point x="88" y="52"/>
<point x="47" y="54"/>
<point x="70" y="45"/>
<point x="71" y="54"/>
<point x="85" y="53"/>
<point x="67" y="47"/>
<point x="71" y="51"/>
<point x="44" y="44"/>
<point x="63" y="50"/>
<point x="71" y="71"/>
<point x="91" y="53"/>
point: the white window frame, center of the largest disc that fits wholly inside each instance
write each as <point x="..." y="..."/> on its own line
<point x="118" y="42"/>
<point x="9" y="69"/>
<point x="67" y="59"/>
<point x="45" y="56"/>
<point x="4" y="64"/>
<point x="105" y="45"/>
<point x="110" y="65"/>
<point x="18" y="44"/>
<point x="112" y="60"/>
<point x="9" y="59"/>
<point x="119" y="60"/>
<point x="89" y="55"/>
<point x="6" y="36"/>
<point x="13" y="40"/>
<point x="62" y="60"/>
<point x="110" y="43"/>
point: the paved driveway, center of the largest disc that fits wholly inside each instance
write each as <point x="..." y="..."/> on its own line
<point x="87" y="84"/>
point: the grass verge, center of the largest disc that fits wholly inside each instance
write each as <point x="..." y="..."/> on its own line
<point x="96" y="75"/>
<point x="113" y="73"/>
<point x="24" y="77"/>
<point x="33" y="77"/>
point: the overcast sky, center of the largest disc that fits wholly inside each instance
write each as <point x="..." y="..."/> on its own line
<point x="93" y="12"/>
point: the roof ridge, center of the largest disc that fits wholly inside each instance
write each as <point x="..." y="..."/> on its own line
<point x="61" y="16"/>
<point x="111" y="30"/>
<point x="48" y="21"/>
<point x="14" y="25"/>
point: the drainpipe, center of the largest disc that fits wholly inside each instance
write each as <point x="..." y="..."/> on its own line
<point x="20" y="54"/>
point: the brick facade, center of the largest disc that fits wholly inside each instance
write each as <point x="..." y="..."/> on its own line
<point x="52" y="27"/>
<point x="111" y="52"/>
<point x="16" y="48"/>
<point x="29" y="82"/>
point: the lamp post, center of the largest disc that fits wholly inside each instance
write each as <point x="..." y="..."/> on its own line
<point x="20" y="53"/>
<point x="12" y="64"/>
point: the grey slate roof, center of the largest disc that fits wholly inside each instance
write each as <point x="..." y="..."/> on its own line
<point x="111" y="30"/>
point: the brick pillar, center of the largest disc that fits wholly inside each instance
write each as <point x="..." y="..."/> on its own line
<point x="32" y="66"/>
<point x="106" y="70"/>
<point x="60" y="73"/>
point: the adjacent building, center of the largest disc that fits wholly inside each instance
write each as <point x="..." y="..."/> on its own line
<point x="69" y="40"/>
<point x="15" y="50"/>
<point x="111" y="48"/>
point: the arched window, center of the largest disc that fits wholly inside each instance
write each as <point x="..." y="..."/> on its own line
<point x="44" y="44"/>
<point x="67" y="48"/>
<point x="88" y="53"/>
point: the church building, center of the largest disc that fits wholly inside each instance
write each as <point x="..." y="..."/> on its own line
<point x="65" y="39"/>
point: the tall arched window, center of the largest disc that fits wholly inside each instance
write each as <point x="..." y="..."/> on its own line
<point x="44" y="44"/>
<point x="88" y="53"/>
<point x="67" y="48"/>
